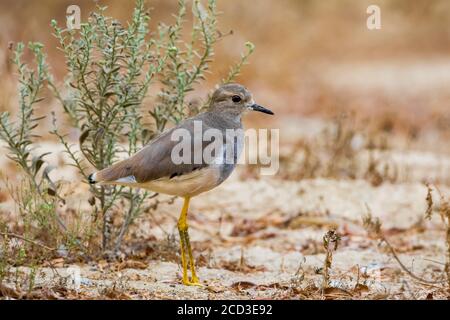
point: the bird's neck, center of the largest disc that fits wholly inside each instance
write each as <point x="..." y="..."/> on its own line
<point x="232" y="117"/>
<point x="230" y="114"/>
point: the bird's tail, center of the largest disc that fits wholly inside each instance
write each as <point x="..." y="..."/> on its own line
<point x="112" y="174"/>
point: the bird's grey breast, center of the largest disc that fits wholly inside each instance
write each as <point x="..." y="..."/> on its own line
<point x="230" y="160"/>
<point x="233" y="144"/>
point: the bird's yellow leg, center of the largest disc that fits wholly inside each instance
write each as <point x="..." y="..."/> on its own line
<point x="194" y="278"/>
<point x="182" y="227"/>
<point x="183" y="257"/>
<point x="185" y="245"/>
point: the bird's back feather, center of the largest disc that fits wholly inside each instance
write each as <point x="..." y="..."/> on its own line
<point x="154" y="161"/>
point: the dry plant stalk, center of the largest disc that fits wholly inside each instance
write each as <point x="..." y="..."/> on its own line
<point x="330" y="243"/>
<point x="335" y="154"/>
<point x="429" y="200"/>
<point x="373" y="227"/>
<point x="444" y="213"/>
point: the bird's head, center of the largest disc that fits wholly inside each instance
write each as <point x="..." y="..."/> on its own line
<point x="235" y="98"/>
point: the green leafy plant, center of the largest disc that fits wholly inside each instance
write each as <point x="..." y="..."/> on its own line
<point x="35" y="195"/>
<point x="110" y="68"/>
<point x="19" y="134"/>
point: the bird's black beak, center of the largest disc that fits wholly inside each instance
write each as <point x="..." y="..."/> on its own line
<point x="257" y="107"/>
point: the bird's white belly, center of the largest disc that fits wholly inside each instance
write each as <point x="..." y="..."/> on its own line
<point x="190" y="184"/>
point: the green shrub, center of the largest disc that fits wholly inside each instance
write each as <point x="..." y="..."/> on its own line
<point x="35" y="195"/>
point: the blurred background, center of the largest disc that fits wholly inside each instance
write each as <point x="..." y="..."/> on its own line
<point x="313" y="59"/>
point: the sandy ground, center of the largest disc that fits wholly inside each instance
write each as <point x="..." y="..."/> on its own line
<point x="263" y="239"/>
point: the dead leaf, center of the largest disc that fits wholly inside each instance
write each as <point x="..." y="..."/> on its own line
<point x="116" y="295"/>
<point x="360" y="288"/>
<point x="238" y="266"/>
<point x="215" y="289"/>
<point x="43" y="293"/>
<point x="3" y="197"/>
<point x="275" y="285"/>
<point x="303" y="221"/>
<point x="336" y="293"/>
<point x="55" y="263"/>
<point x="102" y="264"/>
<point x="246" y="227"/>
<point x="9" y="292"/>
<point x="243" y="285"/>
<point x="132" y="264"/>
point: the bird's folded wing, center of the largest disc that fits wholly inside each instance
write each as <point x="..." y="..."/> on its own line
<point x="154" y="161"/>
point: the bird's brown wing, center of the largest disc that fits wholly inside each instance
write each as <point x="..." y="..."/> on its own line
<point x="154" y="161"/>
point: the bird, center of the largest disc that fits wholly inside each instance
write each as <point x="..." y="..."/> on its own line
<point x="154" y="167"/>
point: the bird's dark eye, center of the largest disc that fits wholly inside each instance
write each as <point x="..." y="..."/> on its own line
<point x="236" y="98"/>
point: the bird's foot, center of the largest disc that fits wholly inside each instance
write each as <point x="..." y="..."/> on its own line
<point x="193" y="282"/>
